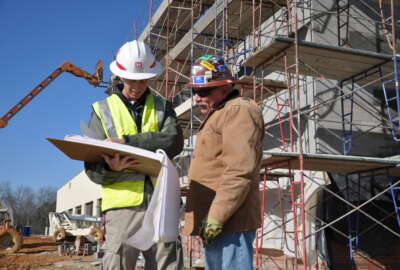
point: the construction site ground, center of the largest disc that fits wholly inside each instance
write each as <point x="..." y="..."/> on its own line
<point x="41" y="252"/>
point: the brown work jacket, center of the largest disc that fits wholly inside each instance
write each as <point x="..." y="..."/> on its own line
<point x="225" y="168"/>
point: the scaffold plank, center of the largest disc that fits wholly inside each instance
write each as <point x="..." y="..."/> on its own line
<point x="320" y="60"/>
<point x="330" y="163"/>
<point x="182" y="109"/>
<point x="183" y="114"/>
<point x="270" y="87"/>
<point x="274" y="84"/>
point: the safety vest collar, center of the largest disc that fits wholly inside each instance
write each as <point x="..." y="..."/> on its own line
<point x="118" y="121"/>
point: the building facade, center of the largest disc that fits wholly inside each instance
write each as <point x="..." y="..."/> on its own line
<point x="80" y="196"/>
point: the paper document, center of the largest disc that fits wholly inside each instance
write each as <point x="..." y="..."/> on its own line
<point x="161" y="221"/>
<point x="87" y="149"/>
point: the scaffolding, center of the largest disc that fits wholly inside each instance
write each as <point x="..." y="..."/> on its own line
<point x="325" y="73"/>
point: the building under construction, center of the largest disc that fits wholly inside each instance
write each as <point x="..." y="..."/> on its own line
<point x="325" y="75"/>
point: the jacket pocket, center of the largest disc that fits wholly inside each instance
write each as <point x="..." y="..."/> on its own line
<point x="209" y="144"/>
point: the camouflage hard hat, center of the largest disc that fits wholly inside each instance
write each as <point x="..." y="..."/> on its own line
<point x="209" y="71"/>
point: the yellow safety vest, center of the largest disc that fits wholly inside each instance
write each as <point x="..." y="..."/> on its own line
<point x="117" y="121"/>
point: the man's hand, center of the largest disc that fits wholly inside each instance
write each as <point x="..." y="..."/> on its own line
<point x="118" y="163"/>
<point x="209" y="229"/>
<point x="116" y="140"/>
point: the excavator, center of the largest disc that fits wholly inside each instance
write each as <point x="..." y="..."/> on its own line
<point x="94" y="79"/>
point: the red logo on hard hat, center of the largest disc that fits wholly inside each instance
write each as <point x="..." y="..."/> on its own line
<point x="119" y="65"/>
<point x="138" y="64"/>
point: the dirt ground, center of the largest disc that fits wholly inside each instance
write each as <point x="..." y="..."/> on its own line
<point x="40" y="252"/>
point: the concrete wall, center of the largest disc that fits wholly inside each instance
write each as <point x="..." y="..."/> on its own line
<point x="79" y="193"/>
<point x="322" y="128"/>
<point x="370" y="138"/>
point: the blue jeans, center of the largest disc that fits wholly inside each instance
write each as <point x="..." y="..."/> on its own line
<point x="232" y="251"/>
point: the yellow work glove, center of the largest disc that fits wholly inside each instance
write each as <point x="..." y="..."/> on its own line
<point x="209" y="229"/>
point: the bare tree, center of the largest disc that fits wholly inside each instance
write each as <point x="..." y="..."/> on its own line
<point x="30" y="207"/>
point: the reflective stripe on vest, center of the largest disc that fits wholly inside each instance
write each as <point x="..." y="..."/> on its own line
<point x="117" y="121"/>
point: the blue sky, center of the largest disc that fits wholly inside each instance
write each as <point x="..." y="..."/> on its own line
<point x="36" y="37"/>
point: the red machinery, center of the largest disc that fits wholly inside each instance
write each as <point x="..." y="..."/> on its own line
<point x="94" y="79"/>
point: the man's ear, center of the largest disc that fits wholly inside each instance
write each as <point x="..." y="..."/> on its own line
<point x="117" y="84"/>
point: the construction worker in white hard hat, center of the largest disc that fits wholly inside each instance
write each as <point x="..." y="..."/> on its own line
<point x="132" y="115"/>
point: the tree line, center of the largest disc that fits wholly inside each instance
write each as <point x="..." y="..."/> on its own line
<point x="30" y="207"/>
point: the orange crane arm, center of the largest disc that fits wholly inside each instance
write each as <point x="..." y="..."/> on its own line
<point x="94" y="79"/>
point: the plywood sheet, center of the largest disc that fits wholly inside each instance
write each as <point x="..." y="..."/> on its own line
<point x="248" y="80"/>
<point x="320" y="60"/>
<point x="183" y="114"/>
<point x="330" y="163"/>
<point x="271" y="87"/>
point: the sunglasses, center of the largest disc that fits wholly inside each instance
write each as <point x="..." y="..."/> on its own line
<point x="203" y="92"/>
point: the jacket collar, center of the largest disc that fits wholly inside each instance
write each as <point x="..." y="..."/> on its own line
<point x="232" y="95"/>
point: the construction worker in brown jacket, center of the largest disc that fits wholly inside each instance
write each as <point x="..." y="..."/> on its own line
<point x="223" y="205"/>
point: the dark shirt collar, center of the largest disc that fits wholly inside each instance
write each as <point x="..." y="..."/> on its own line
<point x="233" y="94"/>
<point x="138" y="103"/>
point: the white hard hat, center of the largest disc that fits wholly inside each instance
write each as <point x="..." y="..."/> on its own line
<point x="135" y="61"/>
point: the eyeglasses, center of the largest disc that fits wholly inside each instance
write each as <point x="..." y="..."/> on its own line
<point x="203" y="92"/>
